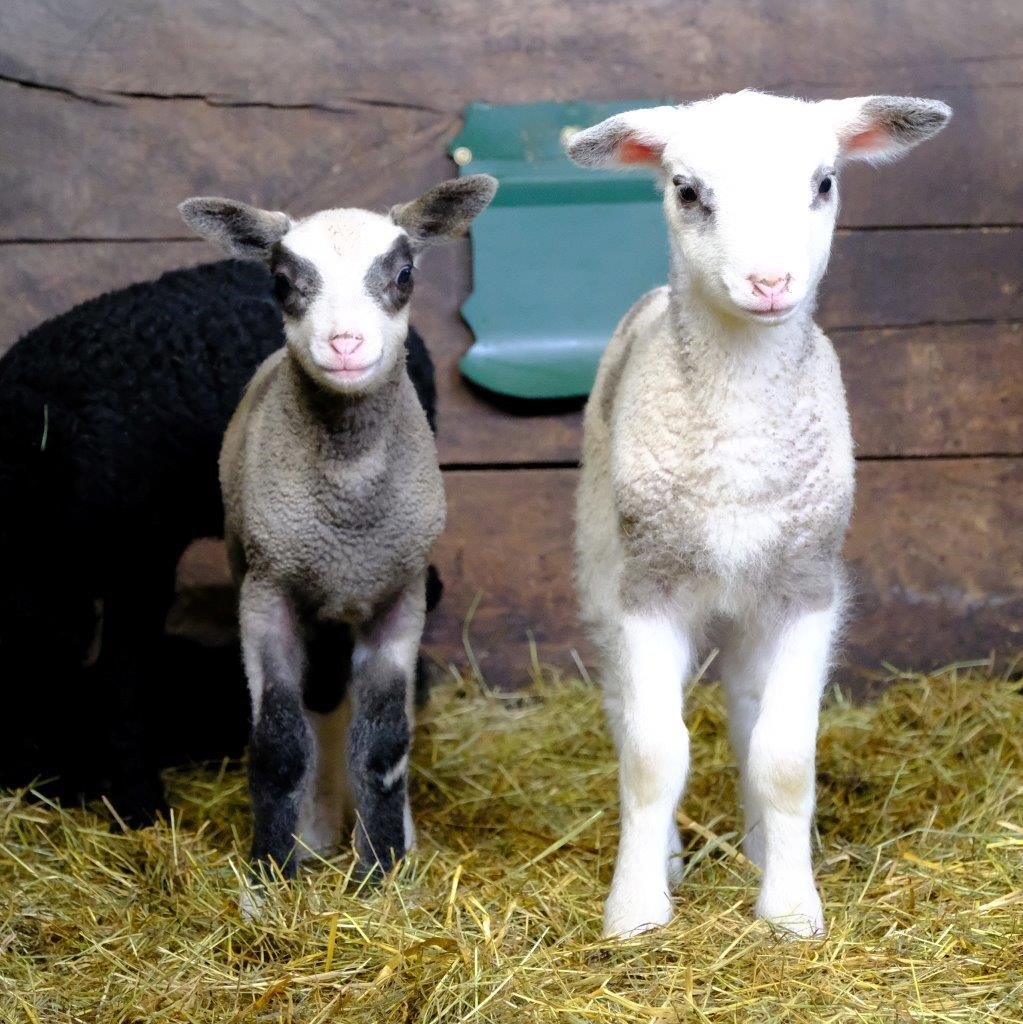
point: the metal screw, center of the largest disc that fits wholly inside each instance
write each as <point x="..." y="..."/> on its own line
<point x="462" y="156"/>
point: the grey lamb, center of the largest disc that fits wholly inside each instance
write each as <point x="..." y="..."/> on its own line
<point x="333" y="498"/>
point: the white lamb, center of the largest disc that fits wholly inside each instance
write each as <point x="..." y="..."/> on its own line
<point x="717" y="477"/>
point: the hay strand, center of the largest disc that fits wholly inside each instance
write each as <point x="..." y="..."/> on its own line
<point x="497" y="915"/>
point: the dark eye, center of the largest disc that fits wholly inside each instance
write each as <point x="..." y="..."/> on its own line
<point x="825" y="186"/>
<point x="688" y="194"/>
<point x="282" y="287"/>
<point x="404" y="276"/>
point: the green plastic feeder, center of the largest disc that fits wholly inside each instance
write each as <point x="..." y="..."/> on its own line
<point x="559" y="256"/>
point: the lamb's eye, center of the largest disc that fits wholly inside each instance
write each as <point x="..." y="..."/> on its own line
<point x="825" y="186"/>
<point x="282" y="287"/>
<point x="404" y="276"/>
<point x="688" y="195"/>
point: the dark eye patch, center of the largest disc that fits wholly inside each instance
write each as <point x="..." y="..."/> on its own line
<point x="693" y="195"/>
<point x="389" y="278"/>
<point x="824" y="185"/>
<point x="296" y="280"/>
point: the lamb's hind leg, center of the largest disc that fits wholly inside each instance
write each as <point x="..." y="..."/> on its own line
<point x="774" y="676"/>
<point x="281" y="745"/>
<point x="380" y="736"/>
<point x="328" y="805"/>
<point x="653" y="748"/>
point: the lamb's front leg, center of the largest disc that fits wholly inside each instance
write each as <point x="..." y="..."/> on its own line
<point x="281" y="745"/>
<point x="380" y="735"/>
<point x="774" y="677"/>
<point x="653" y="750"/>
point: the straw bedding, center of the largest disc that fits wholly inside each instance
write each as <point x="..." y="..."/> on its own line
<point x="496" y="918"/>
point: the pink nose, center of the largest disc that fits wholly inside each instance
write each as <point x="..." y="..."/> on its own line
<point x="770" y="287"/>
<point x="346" y="343"/>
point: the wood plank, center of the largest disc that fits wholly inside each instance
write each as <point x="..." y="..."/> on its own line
<point x="939" y="390"/>
<point x="43" y="280"/>
<point x="934" y="390"/>
<point x="936" y="567"/>
<point x="116" y="171"/>
<point x="507" y="50"/>
<point x="507" y="546"/>
<point x="877" y="279"/>
<point x="934" y="554"/>
<point x="936" y="561"/>
<point x="891" y="278"/>
<point x="916" y="390"/>
<point x="119" y="171"/>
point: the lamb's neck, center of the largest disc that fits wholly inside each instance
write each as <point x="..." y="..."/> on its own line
<point x="713" y="344"/>
<point x="347" y="426"/>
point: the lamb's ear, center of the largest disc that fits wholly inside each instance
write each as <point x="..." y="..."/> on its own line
<point x="881" y="128"/>
<point x="446" y="210"/>
<point x="238" y="228"/>
<point x="634" y="139"/>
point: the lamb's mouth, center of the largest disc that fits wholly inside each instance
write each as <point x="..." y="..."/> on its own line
<point x="769" y="316"/>
<point x="351" y="374"/>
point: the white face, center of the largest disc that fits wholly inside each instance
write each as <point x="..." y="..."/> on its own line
<point x="750" y="197"/>
<point x="750" y="193"/>
<point x="344" y="280"/>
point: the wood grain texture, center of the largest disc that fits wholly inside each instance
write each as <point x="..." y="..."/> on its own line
<point x="933" y="390"/>
<point x="937" y="562"/>
<point x="936" y="390"/>
<point x="114" y="170"/>
<point x="435" y="53"/>
<point x="906" y="386"/>
<point x="934" y="553"/>
<point x="890" y="278"/>
<point x="39" y="281"/>
<point x="118" y="171"/>
<point x="952" y="389"/>
<point x="125" y="108"/>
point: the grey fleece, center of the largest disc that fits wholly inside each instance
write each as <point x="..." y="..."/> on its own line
<point x="335" y="500"/>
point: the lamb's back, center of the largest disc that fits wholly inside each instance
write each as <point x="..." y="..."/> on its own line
<point x="125" y="397"/>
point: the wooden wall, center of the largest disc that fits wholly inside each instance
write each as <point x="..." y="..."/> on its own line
<point x="110" y="113"/>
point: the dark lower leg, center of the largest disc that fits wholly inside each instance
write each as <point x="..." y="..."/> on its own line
<point x="281" y="745"/>
<point x="279" y="757"/>
<point x="378" y="749"/>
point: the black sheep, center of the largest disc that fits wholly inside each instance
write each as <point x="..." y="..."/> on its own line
<point x="111" y="419"/>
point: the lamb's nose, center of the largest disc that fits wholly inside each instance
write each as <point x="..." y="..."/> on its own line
<point x="346" y="343"/>
<point x="769" y="287"/>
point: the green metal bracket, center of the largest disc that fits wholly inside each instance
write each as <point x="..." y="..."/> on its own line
<point x="560" y="255"/>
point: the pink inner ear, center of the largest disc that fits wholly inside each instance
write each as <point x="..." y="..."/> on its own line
<point x="867" y="141"/>
<point x="632" y="151"/>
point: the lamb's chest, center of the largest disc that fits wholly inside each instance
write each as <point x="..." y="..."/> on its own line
<point x="742" y="503"/>
<point x="350" y="572"/>
<point x="354" y="539"/>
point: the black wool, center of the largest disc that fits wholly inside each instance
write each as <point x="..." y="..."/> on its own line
<point x="111" y="419"/>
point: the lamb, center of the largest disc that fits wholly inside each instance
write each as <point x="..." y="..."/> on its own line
<point x="333" y="498"/>
<point x="111" y="419"/>
<point x="717" y="474"/>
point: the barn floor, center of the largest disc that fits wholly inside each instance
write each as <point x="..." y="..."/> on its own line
<point x="496" y="918"/>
